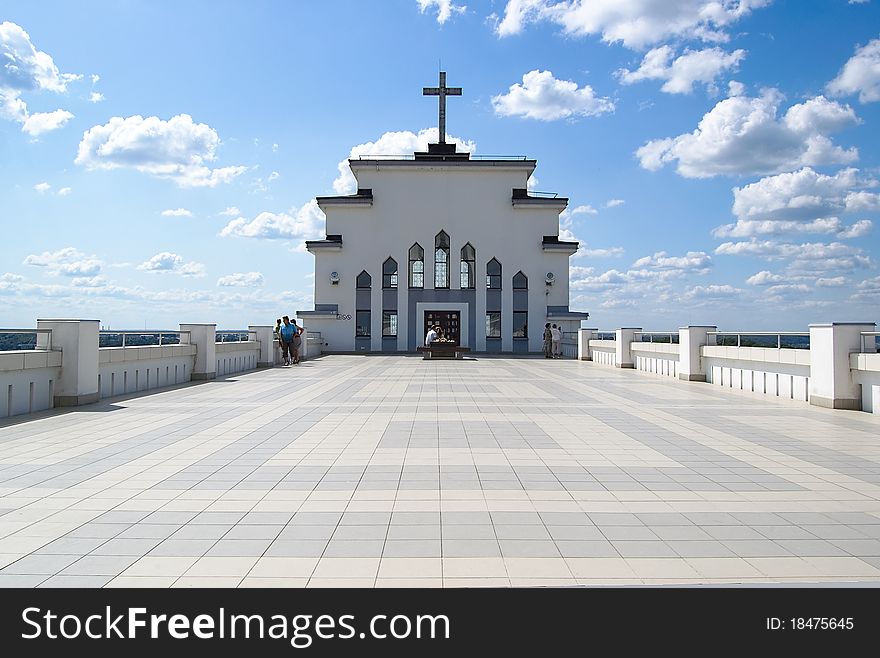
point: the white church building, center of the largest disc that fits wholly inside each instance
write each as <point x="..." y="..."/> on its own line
<point x="440" y="237"/>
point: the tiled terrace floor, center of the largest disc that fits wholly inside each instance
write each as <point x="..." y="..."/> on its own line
<point x="384" y="471"/>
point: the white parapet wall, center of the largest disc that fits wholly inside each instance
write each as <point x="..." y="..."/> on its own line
<point x="123" y="370"/>
<point x="783" y="373"/>
<point x="656" y="358"/>
<point x="865" y="370"/>
<point x="236" y="356"/>
<point x="27" y="381"/>
<point x="604" y="352"/>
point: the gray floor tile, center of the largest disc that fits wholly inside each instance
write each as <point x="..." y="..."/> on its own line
<point x="471" y="548"/>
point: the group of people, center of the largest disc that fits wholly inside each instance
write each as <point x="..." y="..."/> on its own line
<point x="552" y="341"/>
<point x="289" y="335"/>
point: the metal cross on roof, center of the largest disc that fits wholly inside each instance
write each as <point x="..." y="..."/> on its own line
<point x="442" y="91"/>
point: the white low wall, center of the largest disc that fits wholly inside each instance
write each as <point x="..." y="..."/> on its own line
<point x="866" y="372"/>
<point x="124" y="370"/>
<point x="604" y="352"/>
<point x="767" y="371"/>
<point x="656" y="358"/>
<point x="27" y="381"/>
<point x="237" y="357"/>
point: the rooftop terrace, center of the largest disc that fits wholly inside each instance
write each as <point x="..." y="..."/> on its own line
<point x="390" y="470"/>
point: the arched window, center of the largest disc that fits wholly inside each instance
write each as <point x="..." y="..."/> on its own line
<point x="441" y="260"/>
<point x="389" y="273"/>
<point x="468" y="271"/>
<point x="520" y="281"/>
<point x="493" y="275"/>
<point x="364" y="280"/>
<point x="416" y="266"/>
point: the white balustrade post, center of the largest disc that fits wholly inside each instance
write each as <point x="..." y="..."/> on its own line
<point x="691" y="339"/>
<point x="624" y="337"/>
<point x="78" y="342"/>
<point x="204" y="337"/>
<point x="266" y="338"/>
<point x="831" y="381"/>
<point x="584" y="338"/>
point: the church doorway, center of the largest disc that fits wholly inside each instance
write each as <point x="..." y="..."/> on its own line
<point x="449" y="321"/>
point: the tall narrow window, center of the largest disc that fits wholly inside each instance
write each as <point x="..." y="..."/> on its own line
<point x="416" y="266"/>
<point x="364" y="280"/>
<point x="389" y="324"/>
<point x="468" y="258"/>
<point x="493" y="324"/>
<point x="362" y="324"/>
<point x="389" y="273"/>
<point x="520" y="324"/>
<point x="441" y="260"/>
<point x="493" y="275"/>
<point x="520" y="281"/>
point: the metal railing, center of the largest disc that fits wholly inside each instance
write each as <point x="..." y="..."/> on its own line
<point x="159" y="337"/>
<point x="870" y="342"/>
<point x="541" y="195"/>
<point x="606" y="335"/>
<point x="788" y="340"/>
<point x="410" y="156"/>
<point x="669" y="337"/>
<point x="235" y="336"/>
<point x="10" y="344"/>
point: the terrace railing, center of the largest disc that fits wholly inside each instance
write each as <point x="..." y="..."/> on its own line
<point x="9" y="342"/>
<point x="159" y="337"/>
<point x="870" y="342"/>
<point x="670" y="337"/>
<point x="789" y="340"/>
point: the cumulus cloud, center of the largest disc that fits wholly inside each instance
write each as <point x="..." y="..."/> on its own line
<point x="861" y="75"/>
<point x="64" y="191"/>
<point x="746" y="228"/>
<point x="445" y="8"/>
<point x="402" y="142"/>
<point x="613" y="203"/>
<point x="744" y="135"/>
<point x="634" y="23"/>
<point x="695" y="261"/>
<point x="241" y="280"/>
<point x="764" y="278"/>
<point x="602" y="252"/>
<point x="68" y="261"/>
<point x="42" y="188"/>
<point x="831" y="282"/>
<point x="303" y="223"/>
<point x="712" y="292"/>
<point x="807" y="256"/>
<point x="231" y="211"/>
<point x="178" y="212"/>
<point x="24" y="69"/>
<point x="543" y="97"/>
<point x="567" y="216"/>
<point x="680" y="74"/>
<point x="166" y="261"/>
<point x="177" y="149"/>
<point x="96" y="97"/>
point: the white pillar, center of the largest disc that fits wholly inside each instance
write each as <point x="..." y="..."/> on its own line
<point x="266" y="338"/>
<point x="690" y="341"/>
<point x="204" y="337"/>
<point x="624" y="337"/>
<point x="78" y="342"/>
<point x="584" y="338"/>
<point x="831" y="380"/>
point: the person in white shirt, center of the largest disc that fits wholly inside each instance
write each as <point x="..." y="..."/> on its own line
<point x="556" y="335"/>
<point x="431" y="337"/>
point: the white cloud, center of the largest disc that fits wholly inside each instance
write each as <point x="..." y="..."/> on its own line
<point x="743" y="135"/>
<point x="68" y="261"/>
<point x="603" y="252"/>
<point x="403" y="142"/>
<point x="858" y="230"/>
<point x="445" y="8"/>
<point x="833" y="282"/>
<point x="167" y="261"/>
<point x="273" y="177"/>
<point x="88" y="281"/>
<point x="635" y="23"/>
<point x="614" y="203"/>
<point x="96" y="97"/>
<point x="543" y="97"/>
<point x="177" y="149"/>
<point x="231" y="211"/>
<point x="746" y="228"/>
<point x="42" y="122"/>
<point x="862" y="202"/>
<point x="566" y="217"/>
<point x="64" y="191"/>
<point x="712" y="292"/>
<point x="681" y="73"/>
<point x="764" y="278"/>
<point x="241" y="280"/>
<point x="179" y="212"/>
<point x="861" y="74"/>
<point x="42" y="188"/>
<point x="26" y="69"/>
<point x="807" y="256"/>
<point x="695" y="261"/>
<point x="303" y="223"/>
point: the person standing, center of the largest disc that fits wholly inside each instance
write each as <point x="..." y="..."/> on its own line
<point x="296" y="343"/>
<point x="556" y="339"/>
<point x="548" y="342"/>
<point x="286" y="333"/>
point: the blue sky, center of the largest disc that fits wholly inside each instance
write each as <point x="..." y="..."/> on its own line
<point x="159" y="160"/>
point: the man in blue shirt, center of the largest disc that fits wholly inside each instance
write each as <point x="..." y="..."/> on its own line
<point x="286" y="335"/>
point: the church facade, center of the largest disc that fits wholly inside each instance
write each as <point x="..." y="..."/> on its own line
<point x="440" y="238"/>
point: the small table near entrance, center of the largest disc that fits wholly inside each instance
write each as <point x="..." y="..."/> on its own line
<point x="441" y="350"/>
